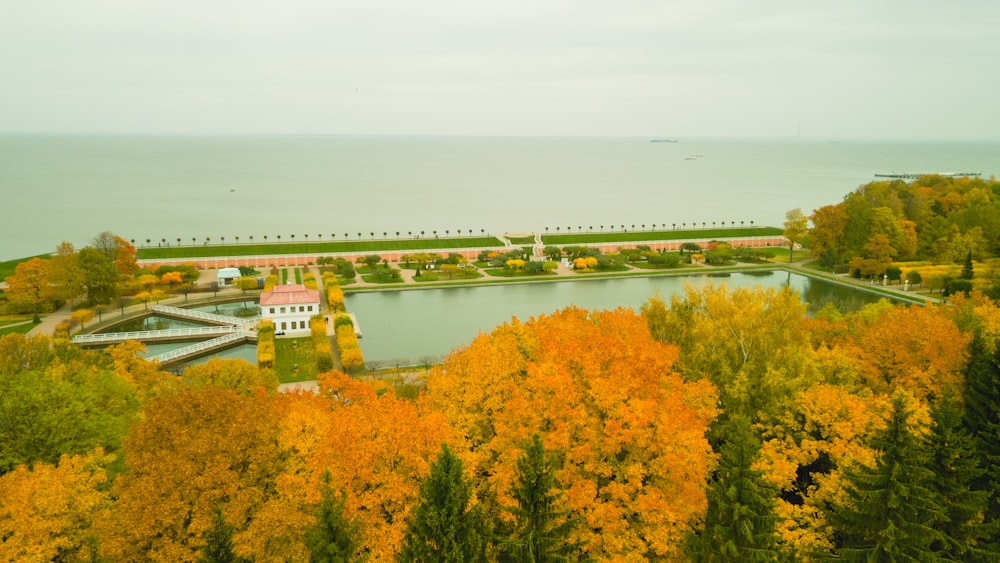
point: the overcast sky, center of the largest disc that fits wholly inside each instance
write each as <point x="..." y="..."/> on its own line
<point x="872" y="69"/>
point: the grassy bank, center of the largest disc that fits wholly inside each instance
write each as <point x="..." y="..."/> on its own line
<point x="7" y="268"/>
<point x="328" y="247"/>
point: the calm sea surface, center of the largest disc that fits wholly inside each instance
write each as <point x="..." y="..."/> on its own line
<point x="72" y="188"/>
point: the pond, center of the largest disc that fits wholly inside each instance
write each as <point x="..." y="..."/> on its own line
<point x="152" y="322"/>
<point x="237" y="309"/>
<point x="402" y="327"/>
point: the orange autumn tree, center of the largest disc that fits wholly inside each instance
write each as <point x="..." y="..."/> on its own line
<point x="373" y="448"/>
<point x="629" y="434"/>
<point x="917" y="349"/>
<point x="196" y="450"/>
<point x="377" y="449"/>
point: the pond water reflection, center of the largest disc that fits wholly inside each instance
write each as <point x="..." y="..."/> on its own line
<point x="404" y="326"/>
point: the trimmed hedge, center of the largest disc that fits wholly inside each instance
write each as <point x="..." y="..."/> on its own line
<point x="321" y="344"/>
<point x="334" y="295"/>
<point x="347" y="344"/>
<point x="265" y="344"/>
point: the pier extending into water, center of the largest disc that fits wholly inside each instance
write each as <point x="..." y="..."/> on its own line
<point x="915" y="175"/>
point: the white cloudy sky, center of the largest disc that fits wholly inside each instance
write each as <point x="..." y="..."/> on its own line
<point x="698" y="68"/>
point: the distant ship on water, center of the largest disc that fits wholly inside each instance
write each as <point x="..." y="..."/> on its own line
<point x="664" y="141"/>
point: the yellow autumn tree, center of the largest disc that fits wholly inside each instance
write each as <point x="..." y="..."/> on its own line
<point x="46" y="511"/>
<point x="239" y="375"/>
<point x="749" y="342"/>
<point x="629" y="432"/>
<point x="145" y="376"/>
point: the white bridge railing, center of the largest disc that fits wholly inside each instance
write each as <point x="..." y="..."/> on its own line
<point x="198" y="347"/>
<point x="202" y="315"/>
<point x="143" y="335"/>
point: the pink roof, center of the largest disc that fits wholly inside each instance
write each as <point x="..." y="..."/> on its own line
<point x="289" y="294"/>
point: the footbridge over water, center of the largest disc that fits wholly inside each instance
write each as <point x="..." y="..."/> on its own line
<point x="231" y="331"/>
<point x="190" y="314"/>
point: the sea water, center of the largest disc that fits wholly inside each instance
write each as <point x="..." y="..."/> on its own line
<point x="161" y="189"/>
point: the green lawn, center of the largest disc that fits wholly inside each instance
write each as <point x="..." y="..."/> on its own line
<point x="796" y="255"/>
<point x="505" y="273"/>
<point x="17" y="329"/>
<point x="291" y="352"/>
<point x="638" y="236"/>
<point x="648" y="266"/>
<point x="602" y="270"/>
<point x="368" y="246"/>
<point x="436" y="275"/>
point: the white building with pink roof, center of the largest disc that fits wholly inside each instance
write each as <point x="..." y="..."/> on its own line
<point x="289" y="307"/>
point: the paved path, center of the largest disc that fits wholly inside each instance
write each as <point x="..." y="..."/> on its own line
<point x="798" y="267"/>
<point x="50" y="321"/>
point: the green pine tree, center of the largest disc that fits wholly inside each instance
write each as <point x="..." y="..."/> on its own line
<point x="982" y="419"/>
<point x="740" y="520"/>
<point x="219" y="542"/>
<point x="955" y="467"/>
<point x="967" y="267"/>
<point x="890" y="508"/>
<point x="335" y="538"/>
<point x="442" y="527"/>
<point x="541" y="532"/>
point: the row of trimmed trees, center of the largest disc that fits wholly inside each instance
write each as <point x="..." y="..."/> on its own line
<point x="347" y="344"/>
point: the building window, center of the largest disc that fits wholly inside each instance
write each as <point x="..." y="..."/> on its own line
<point x="283" y="326"/>
<point x="302" y="309"/>
<point x="309" y="308"/>
<point x="282" y="310"/>
<point x="272" y="310"/>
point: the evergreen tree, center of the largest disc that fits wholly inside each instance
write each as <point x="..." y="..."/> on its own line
<point x="955" y="467"/>
<point x="740" y="520"/>
<point x="335" y="538"/>
<point x="967" y="267"/>
<point x="889" y="509"/>
<point x="219" y="542"/>
<point x="541" y="531"/>
<point x="442" y="527"/>
<point x="982" y="418"/>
